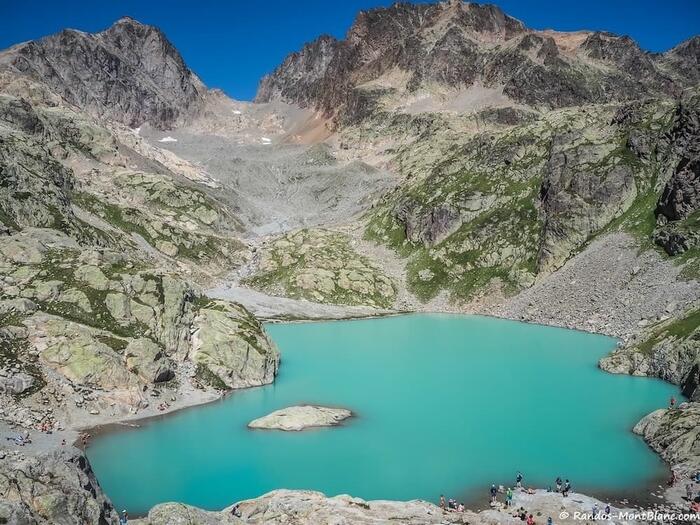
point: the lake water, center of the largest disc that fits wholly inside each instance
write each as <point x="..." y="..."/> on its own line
<point x="445" y="404"/>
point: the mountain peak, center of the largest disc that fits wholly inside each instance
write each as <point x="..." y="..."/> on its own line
<point x="126" y="19"/>
<point x="130" y="72"/>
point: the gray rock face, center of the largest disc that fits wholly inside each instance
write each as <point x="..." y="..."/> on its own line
<point x="578" y="198"/>
<point x="130" y="73"/>
<point x="457" y="44"/>
<point x="675" y="435"/>
<point x="34" y="187"/>
<point x="52" y="488"/>
<point x="676" y="239"/>
<point x="681" y="196"/>
<point x="670" y="350"/>
<point x="427" y="226"/>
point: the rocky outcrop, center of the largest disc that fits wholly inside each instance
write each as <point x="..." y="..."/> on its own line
<point x="298" y="418"/>
<point x="301" y="507"/>
<point x="322" y="266"/>
<point x="675" y="435"/>
<point x="230" y="347"/>
<point x="684" y="60"/>
<point x="94" y="324"/>
<point x="427" y="226"/>
<point x="681" y="196"/>
<point x="669" y="350"/>
<point x="34" y="186"/>
<point x="678" y="237"/>
<point x="130" y="73"/>
<point x="306" y="508"/>
<point x="52" y="488"/>
<point x="587" y="184"/>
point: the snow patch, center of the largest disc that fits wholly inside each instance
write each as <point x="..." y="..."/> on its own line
<point x="168" y="139"/>
<point x="265" y="140"/>
<point x="237" y="112"/>
<point x="136" y="131"/>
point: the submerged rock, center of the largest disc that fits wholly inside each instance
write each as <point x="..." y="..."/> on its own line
<point x="301" y="417"/>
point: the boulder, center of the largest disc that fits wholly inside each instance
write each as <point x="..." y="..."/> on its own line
<point x="16" y="384"/>
<point x="146" y="359"/>
<point x="233" y="346"/>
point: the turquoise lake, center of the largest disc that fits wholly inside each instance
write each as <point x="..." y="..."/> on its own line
<point x="445" y="404"/>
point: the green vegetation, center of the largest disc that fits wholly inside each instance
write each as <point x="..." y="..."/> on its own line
<point x="195" y="246"/>
<point x="60" y="266"/>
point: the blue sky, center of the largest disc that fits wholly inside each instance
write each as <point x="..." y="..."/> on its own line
<point x="231" y="44"/>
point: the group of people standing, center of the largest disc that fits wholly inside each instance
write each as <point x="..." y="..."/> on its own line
<point x="562" y="486"/>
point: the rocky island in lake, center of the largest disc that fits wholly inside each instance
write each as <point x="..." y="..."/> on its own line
<point x="301" y="418"/>
<point x="440" y="157"/>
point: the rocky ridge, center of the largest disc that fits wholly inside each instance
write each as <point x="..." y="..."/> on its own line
<point x="406" y="50"/>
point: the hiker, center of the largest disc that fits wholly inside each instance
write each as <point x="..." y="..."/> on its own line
<point x="124" y="519"/>
<point x="567" y="488"/>
<point x="689" y="491"/>
<point x="452" y="504"/>
<point x="595" y="511"/>
<point x="608" y="511"/>
<point x="236" y="511"/>
<point x="530" y="520"/>
<point x="558" y="483"/>
<point x="672" y="404"/>
<point x="549" y="520"/>
<point x="442" y="502"/>
<point x="673" y="479"/>
<point x="460" y="507"/>
<point x="697" y="477"/>
<point x="509" y="497"/>
<point x="494" y="492"/>
<point x="519" y="480"/>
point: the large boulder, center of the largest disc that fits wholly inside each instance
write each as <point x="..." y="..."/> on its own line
<point x="230" y="347"/>
<point x="146" y="359"/>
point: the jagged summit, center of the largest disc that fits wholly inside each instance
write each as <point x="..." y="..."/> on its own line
<point x="129" y="72"/>
<point x="392" y="52"/>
